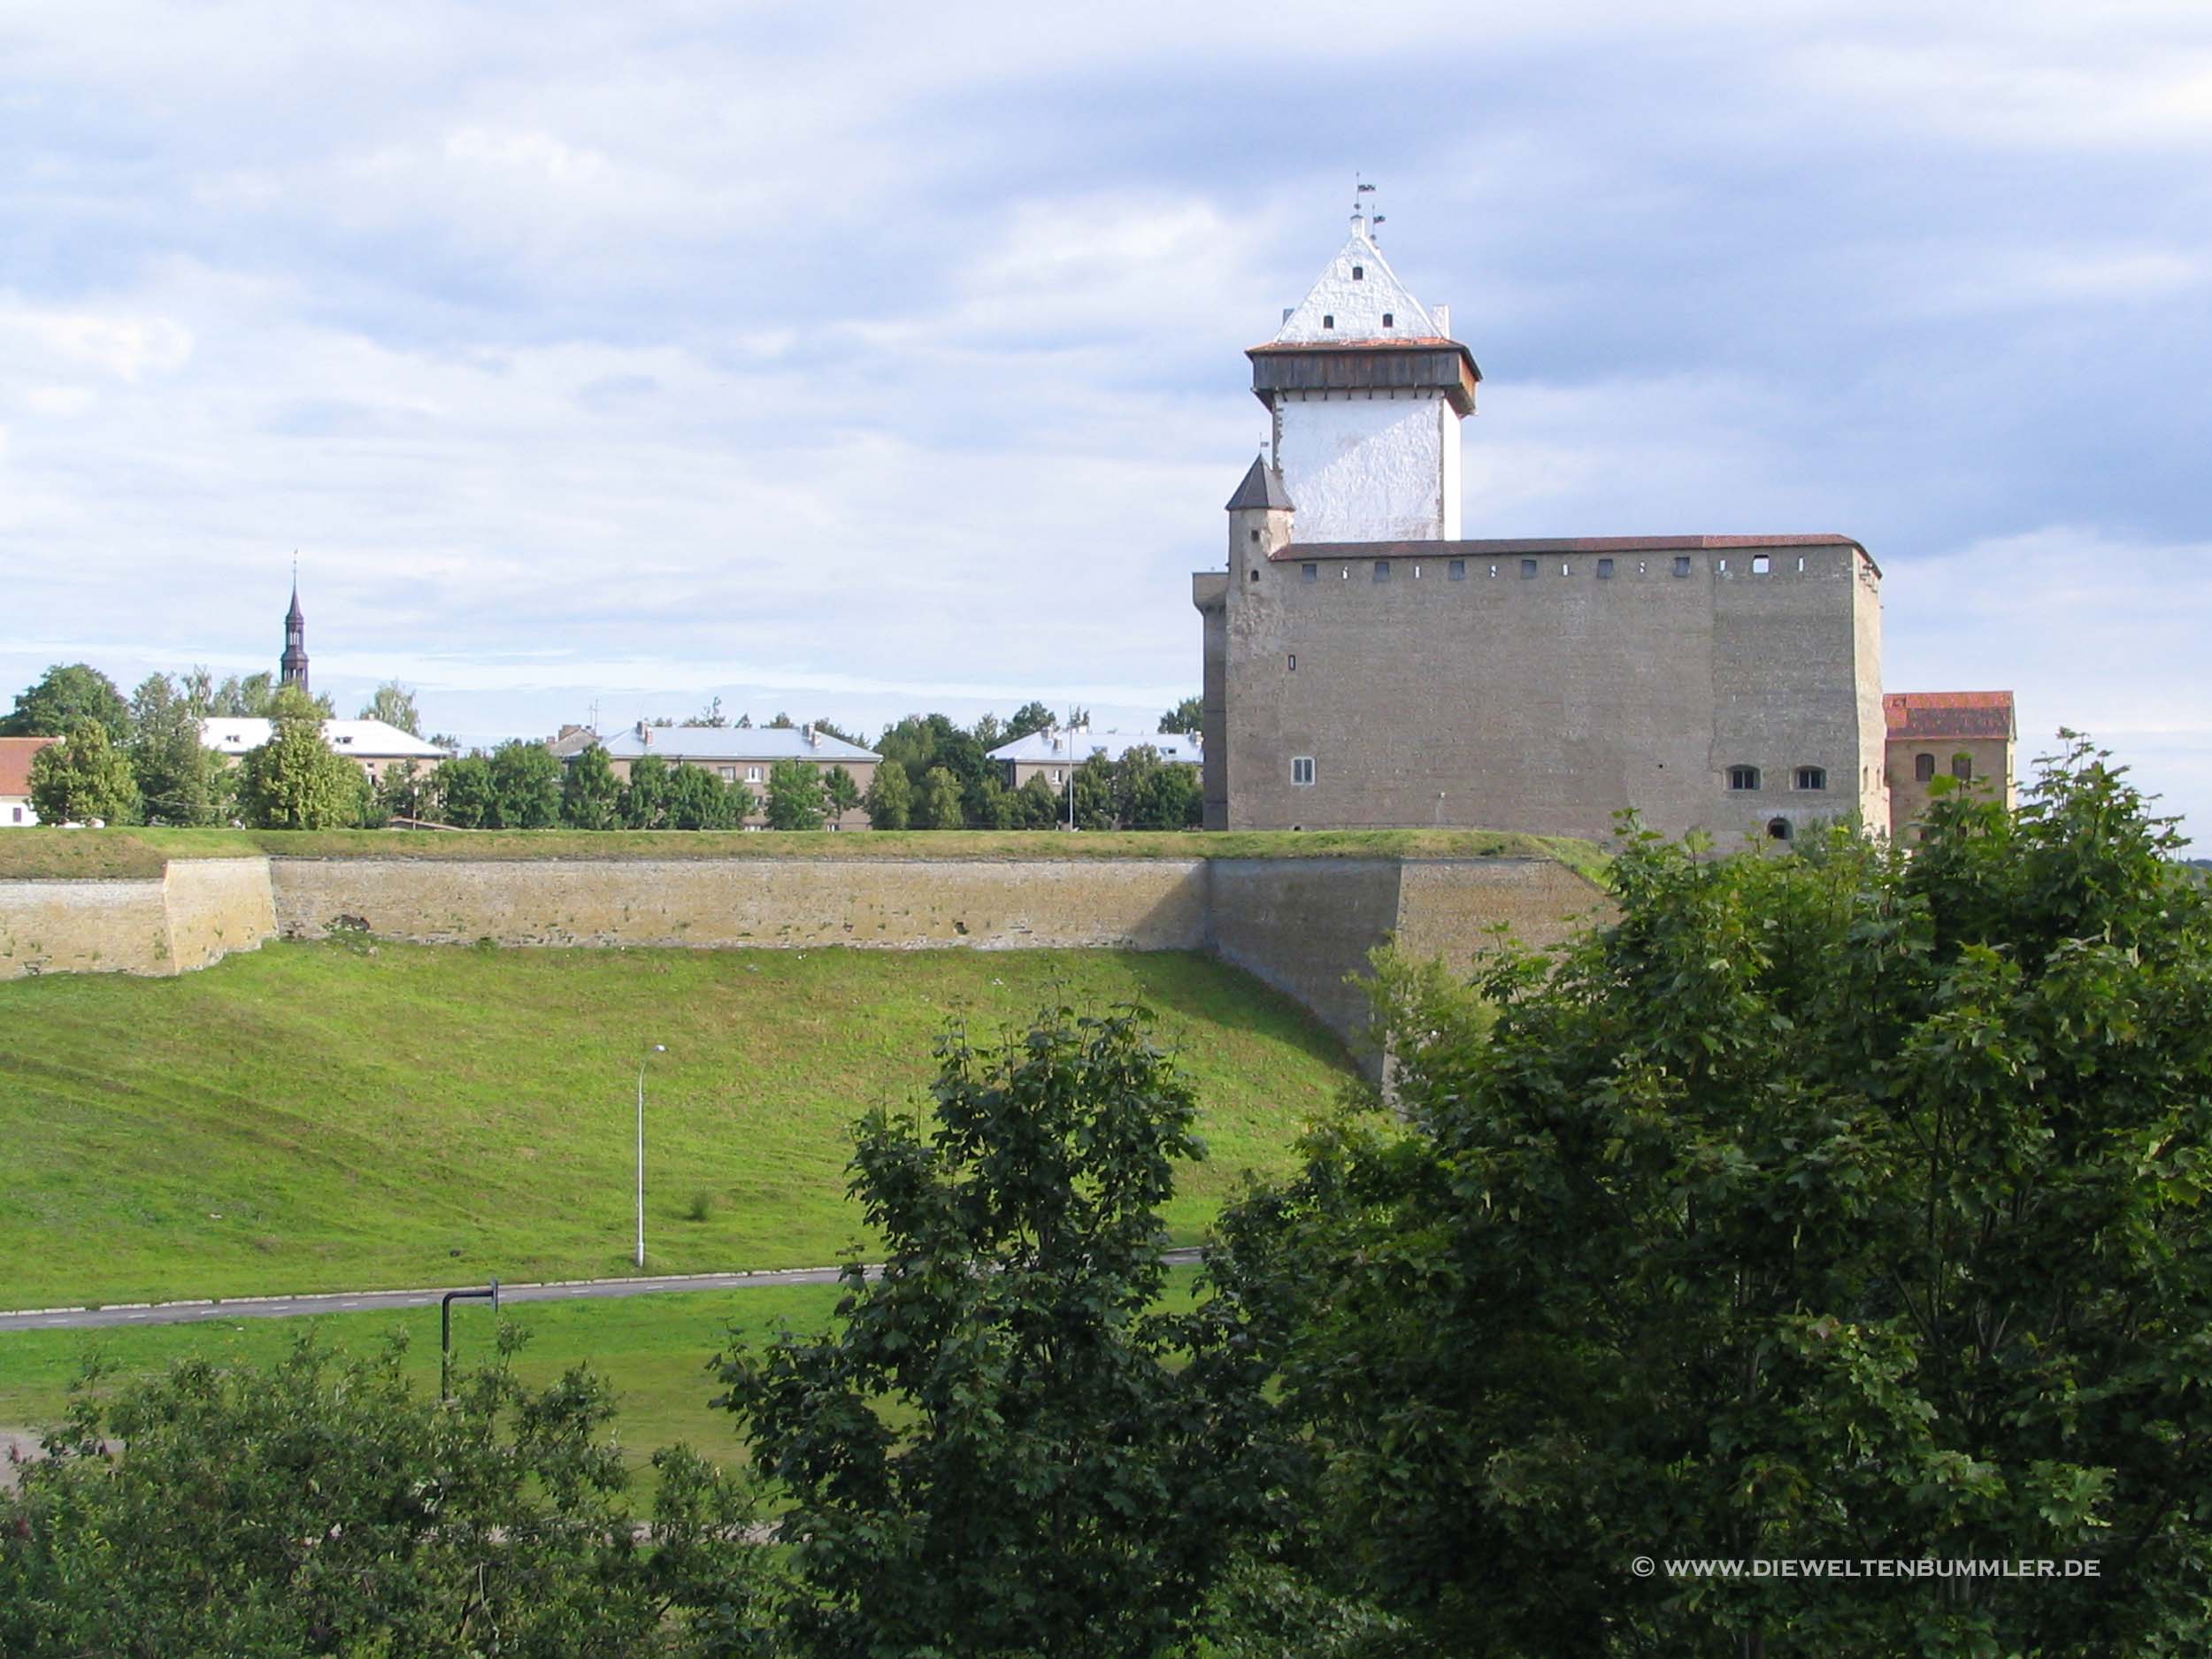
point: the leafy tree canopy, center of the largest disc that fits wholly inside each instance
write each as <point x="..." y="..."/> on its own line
<point x="64" y="694"/>
<point x="394" y="704"/>
<point x="1845" y="1205"/>
<point x="83" y="780"/>
<point x="796" y="795"/>
<point x="294" y="781"/>
<point x="1188" y="717"/>
<point x="1049" y="1477"/>
<point x="591" y="795"/>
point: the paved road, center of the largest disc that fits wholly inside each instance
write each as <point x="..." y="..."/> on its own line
<point x="369" y="1300"/>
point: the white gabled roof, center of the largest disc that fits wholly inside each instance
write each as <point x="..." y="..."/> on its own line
<point x="1059" y="743"/>
<point x="1344" y="306"/>
<point x="358" y="740"/>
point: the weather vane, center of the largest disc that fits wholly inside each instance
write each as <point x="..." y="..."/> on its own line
<point x="1360" y="188"/>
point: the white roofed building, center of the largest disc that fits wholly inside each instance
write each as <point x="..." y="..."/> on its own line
<point x="1050" y="754"/>
<point x="372" y="745"/>
<point x="736" y="754"/>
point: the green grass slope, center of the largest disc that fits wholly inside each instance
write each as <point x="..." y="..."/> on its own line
<point x="340" y="1114"/>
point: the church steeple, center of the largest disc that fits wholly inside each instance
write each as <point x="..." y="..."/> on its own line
<point x="292" y="666"/>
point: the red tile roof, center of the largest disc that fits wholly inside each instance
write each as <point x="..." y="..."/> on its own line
<point x="1940" y="714"/>
<point x="15" y="762"/>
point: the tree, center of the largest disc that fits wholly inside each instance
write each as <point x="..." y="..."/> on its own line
<point x="1031" y="716"/>
<point x="1093" y="788"/>
<point x="781" y="723"/>
<point x="83" y="780"/>
<point x="250" y="698"/>
<point x="591" y="795"/>
<point x="839" y="793"/>
<point x="180" y="780"/>
<point x="407" y="791"/>
<point x="1188" y="717"/>
<point x="698" y="800"/>
<point x="526" y="785"/>
<point x="394" y="704"/>
<point x="795" y="797"/>
<point x="1000" y="1452"/>
<point x="890" y="798"/>
<point x="1153" y="793"/>
<point x="1843" y="1206"/>
<point x="940" y="807"/>
<point x="1038" y="803"/>
<point x="467" y="797"/>
<point x="831" y="729"/>
<point x="64" y="695"/>
<point x="712" y="715"/>
<point x="645" y="793"/>
<point x="294" y="781"/>
<point x="316" y="1507"/>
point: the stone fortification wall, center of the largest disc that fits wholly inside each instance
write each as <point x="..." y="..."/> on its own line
<point x="216" y="906"/>
<point x="1302" y="926"/>
<point x="200" y="911"/>
<point x="896" y="904"/>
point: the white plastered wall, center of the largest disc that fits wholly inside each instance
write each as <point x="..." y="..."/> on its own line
<point x="1371" y="469"/>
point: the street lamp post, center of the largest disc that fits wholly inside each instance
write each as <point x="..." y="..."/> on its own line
<point x="657" y="1047"/>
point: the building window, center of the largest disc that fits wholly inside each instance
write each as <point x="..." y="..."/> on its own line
<point x="1721" y="565"/>
<point x="1255" y="536"/>
<point x="1456" y="569"/>
<point x="1962" y="768"/>
<point x="1682" y="565"/>
<point x="1923" y="768"/>
<point x="1528" y="567"/>
<point x="19" y="813"/>
<point x="1058" y="778"/>
<point x="1382" y="570"/>
<point x="1256" y="572"/>
<point x="729" y="774"/>
<point x="1778" y="829"/>
<point x="1812" y="778"/>
<point x="1359" y="273"/>
<point x="1762" y="565"/>
<point x="1741" y="777"/>
<point x="1294" y="663"/>
<point x="1328" y="322"/>
<point x="1308" y="573"/>
<point x="1389" y="321"/>
<point x="752" y="774"/>
<point x="1605" y="568"/>
<point x="1301" y="769"/>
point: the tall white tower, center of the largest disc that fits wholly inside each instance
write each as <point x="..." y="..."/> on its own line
<point x="1368" y="388"/>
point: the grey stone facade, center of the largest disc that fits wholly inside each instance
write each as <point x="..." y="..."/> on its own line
<point x="1541" y="685"/>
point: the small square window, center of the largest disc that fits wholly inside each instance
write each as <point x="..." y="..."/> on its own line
<point x="729" y="774"/>
<point x="1058" y="778"/>
<point x="1382" y="570"/>
<point x="1456" y="569"/>
<point x="1528" y="567"/>
<point x="1605" y="568"/>
<point x="752" y="774"/>
<point x="1389" y="321"/>
<point x="1359" y="273"/>
<point x="1762" y="565"/>
<point x="1812" y="778"/>
<point x="1308" y="573"/>
<point x="1328" y="322"/>
<point x="1743" y="778"/>
<point x="1301" y="769"/>
<point x="1255" y="574"/>
<point x="1682" y="565"/>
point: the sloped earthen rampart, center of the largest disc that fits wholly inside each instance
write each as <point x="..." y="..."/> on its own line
<point x="1302" y="926"/>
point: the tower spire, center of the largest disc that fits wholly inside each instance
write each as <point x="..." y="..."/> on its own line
<point x="292" y="666"/>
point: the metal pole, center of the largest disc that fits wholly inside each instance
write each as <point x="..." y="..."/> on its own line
<point x="647" y="1054"/>
<point x="445" y="1331"/>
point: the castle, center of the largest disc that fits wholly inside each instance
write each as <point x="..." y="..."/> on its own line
<point x="1365" y="666"/>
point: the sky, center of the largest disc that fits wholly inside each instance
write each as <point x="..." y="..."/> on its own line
<point x="860" y="359"/>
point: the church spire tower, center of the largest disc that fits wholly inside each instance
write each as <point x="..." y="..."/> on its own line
<point x="1367" y="388"/>
<point x="292" y="666"/>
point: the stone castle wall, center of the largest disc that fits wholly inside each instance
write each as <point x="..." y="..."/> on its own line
<point x="1509" y="687"/>
<point x="200" y="910"/>
<point x="1302" y="926"/>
